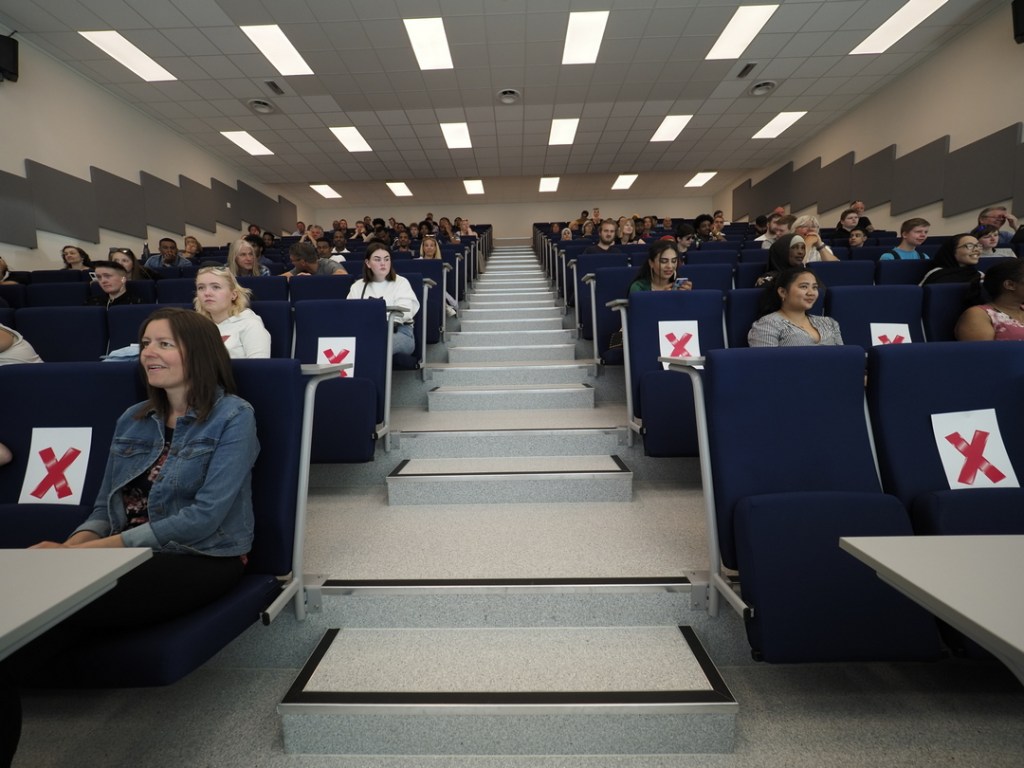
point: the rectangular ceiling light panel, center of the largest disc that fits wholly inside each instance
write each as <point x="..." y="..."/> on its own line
<point x="625" y="181"/>
<point x="702" y="178"/>
<point x="429" y="42"/>
<point x="583" y="37"/>
<point x="473" y="186"/>
<point x="456" y="135"/>
<point x="399" y="188"/>
<point x="278" y="49"/>
<point x="126" y="54"/>
<point x="548" y="184"/>
<point x="741" y="31"/>
<point x="671" y="127"/>
<point x="778" y="124"/>
<point x="563" y="131"/>
<point x="246" y="142"/>
<point x="352" y="139"/>
<point x="325" y="190"/>
<point x="898" y="25"/>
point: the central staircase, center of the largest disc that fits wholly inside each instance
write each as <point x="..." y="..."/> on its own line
<point x="528" y="665"/>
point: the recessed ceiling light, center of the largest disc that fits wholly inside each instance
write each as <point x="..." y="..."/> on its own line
<point x="898" y="25"/>
<point x="671" y="127"/>
<point x="429" y="43"/>
<point x="125" y="53"/>
<point x="325" y="190"/>
<point x="352" y="139"/>
<point x="548" y="184"/>
<point x="625" y="181"/>
<point x="740" y="31"/>
<point x="563" y="130"/>
<point x="473" y="186"/>
<point x="456" y="135"/>
<point x="278" y="49"/>
<point x="399" y="188"/>
<point x="778" y="124"/>
<point x="246" y="142"/>
<point x="702" y="178"/>
<point x="583" y="37"/>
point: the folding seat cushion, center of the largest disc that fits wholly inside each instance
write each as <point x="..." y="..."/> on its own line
<point x="320" y="287"/>
<point x="610" y="284"/>
<point x="670" y="324"/>
<point x="941" y="307"/>
<point x="56" y="294"/>
<point x="277" y="318"/>
<point x="65" y="334"/>
<point x="879" y="314"/>
<point x="837" y="273"/>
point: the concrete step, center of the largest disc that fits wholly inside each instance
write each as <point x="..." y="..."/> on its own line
<point x="457" y="443"/>
<point x="503" y="372"/>
<point x="509" y="691"/>
<point x="498" y="281"/>
<point x="508" y="480"/>
<point x="513" y="313"/>
<point x="487" y="293"/>
<point x="521" y="338"/>
<point x="510" y="396"/>
<point x="478" y="301"/>
<point x="512" y="353"/>
<point x="512" y="327"/>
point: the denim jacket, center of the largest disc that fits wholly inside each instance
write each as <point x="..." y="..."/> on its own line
<point x="201" y="501"/>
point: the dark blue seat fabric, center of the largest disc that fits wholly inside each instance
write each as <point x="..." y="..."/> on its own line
<point x="267" y="288"/>
<point x="14" y="295"/>
<point x="56" y="294"/>
<point x="435" y="270"/>
<point x="452" y="255"/>
<point x="941" y="307"/>
<point x="758" y="255"/>
<point x="663" y="399"/>
<point x="741" y="311"/>
<point x="124" y="323"/>
<point x="710" y="277"/>
<point x="855" y="308"/>
<point x="320" y="287"/>
<point x="144" y="290"/>
<point x="586" y="264"/>
<point x="729" y="257"/>
<point x="176" y="290"/>
<point x="7" y="316"/>
<point x="901" y="272"/>
<point x="65" y="334"/>
<point x="982" y="512"/>
<point x="869" y="252"/>
<point x="406" y="362"/>
<point x="836" y="273"/>
<point x="747" y="273"/>
<point x="277" y="318"/>
<point x="45" y="276"/>
<point x="611" y="283"/>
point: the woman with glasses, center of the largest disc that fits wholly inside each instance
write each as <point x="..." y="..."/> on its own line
<point x="243" y="260"/>
<point x="380" y="281"/>
<point x="220" y="298"/>
<point x="956" y="261"/>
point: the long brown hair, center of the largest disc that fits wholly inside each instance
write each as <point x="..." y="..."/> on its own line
<point x="204" y="359"/>
<point x="372" y="248"/>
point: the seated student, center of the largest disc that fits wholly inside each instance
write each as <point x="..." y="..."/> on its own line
<point x="605" y="239"/>
<point x="786" y="253"/>
<point x="779" y="225"/>
<point x="956" y="261"/>
<point x="113" y="281"/>
<point x="809" y="228"/>
<point x="306" y="262"/>
<point x="658" y="273"/>
<point x="75" y="258"/>
<point x="863" y="221"/>
<point x="588" y="229"/>
<point x="685" y="235"/>
<point x="913" y="233"/>
<point x="627" y="233"/>
<point x="429" y="249"/>
<point x="168" y="256"/>
<point x="566" y="235"/>
<point x="848" y="221"/>
<point x="703" y="225"/>
<point x="380" y="281"/>
<point x="242" y="261"/>
<point x="857" y="237"/>
<point x="786" y="320"/>
<point x="193" y="250"/>
<point x="988" y="236"/>
<point x="269" y="241"/>
<point x="220" y="298"/>
<point x="1002" y="317"/>
<point x="126" y="258"/>
<point x="14" y="348"/>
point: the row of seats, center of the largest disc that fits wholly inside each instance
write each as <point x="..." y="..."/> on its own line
<point x="789" y="457"/>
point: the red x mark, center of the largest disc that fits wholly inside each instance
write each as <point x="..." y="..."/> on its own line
<point x="679" y="345"/>
<point x="974" y="452"/>
<point x="886" y="340"/>
<point x="335" y="358"/>
<point x="55" y="472"/>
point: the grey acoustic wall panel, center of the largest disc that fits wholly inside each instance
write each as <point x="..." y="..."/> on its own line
<point x="17" y="214"/>
<point x="832" y="184"/>
<point x="917" y="177"/>
<point x="165" y="208"/>
<point x="225" y="201"/>
<point x="774" y="190"/>
<point x="200" y="208"/>
<point x="255" y="207"/>
<point x="980" y="173"/>
<point x="803" y="191"/>
<point x="872" y="178"/>
<point x="742" y="202"/>
<point x="288" y="214"/>
<point x="64" y="204"/>
<point x="120" y="205"/>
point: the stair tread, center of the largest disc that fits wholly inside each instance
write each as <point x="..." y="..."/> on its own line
<point x="510" y="465"/>
<point x="567" y="387"/>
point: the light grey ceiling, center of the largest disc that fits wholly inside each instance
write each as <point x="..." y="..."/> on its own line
<point x="651" y="64"/>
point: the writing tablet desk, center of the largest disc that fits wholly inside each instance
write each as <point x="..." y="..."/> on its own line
<point x="41" y="587"/>
<point x="970" y="582"/>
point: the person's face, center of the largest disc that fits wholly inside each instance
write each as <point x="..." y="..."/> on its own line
<point x="169" y="251"/>
<point x="801" y="294"/>
<point x="996" y="217"/>
<point x="191" y="246"/>
<point x="268" y="240"/>
<point x="403" y="240"/>
<point x="567" y="234"/>
<point x="664" y="266"/>
<point x="245" y="258"/>
<point x="588" y="229"/>
<point x="323" y="249"/>
<point x="316" y="232"/>
<point x="344" y="225"/>
<point x="360" y="228"/>
<point x="555" y="228"/>
<point x="301" y="266"/>
<point x="300" y="227"/>
<point x="916" y="236"/>
<point x="968" y="251"/>
<point x="805" y="230"/>
<point x="72" y="256"/>
<point x="428" y="249"/>
<point x="607" y="233"/>
<point x="253" y="229"/>
<point x="858" y="206"/>
<point x="857" y="239"/>
<point x="161" y="357"/>
<point x="666" y="223"/>
<point x="628" y="228"/>
<point x="719" y="222"/>
<point x="380" y="265"/>
<point x="989" y="241"/>
<point x="648" y="222"/>
<point x="850" y="220"/>
<point x="779" y="230"/>
<point x="339" y="241"/>
<point x="414" y="231"/>
<point x="684" y="243"/>
<point x="215" y="294"/>
<point x="119" y="258"/>
<point x="797" y="252"/>
<point x="596" y="214"/>
<point x="111" y="281"/>
<point x="704" y="229"/>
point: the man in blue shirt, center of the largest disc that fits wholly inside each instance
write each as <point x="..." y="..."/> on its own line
<point x="168" y="256"/>
<point x="913" y="233"/>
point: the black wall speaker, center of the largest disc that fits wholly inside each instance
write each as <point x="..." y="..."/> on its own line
<point x="1017" y="7"/>
<point x="8" y="59"/>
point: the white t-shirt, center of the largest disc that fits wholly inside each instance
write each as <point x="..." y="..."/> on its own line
<point x="20" y="351"/>
<point x="394" y="292"/>
<point x="245" y="336"/>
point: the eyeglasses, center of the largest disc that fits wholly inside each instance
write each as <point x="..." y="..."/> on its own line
<point x="970" y="246"/>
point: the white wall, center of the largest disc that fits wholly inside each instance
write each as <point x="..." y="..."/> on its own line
<point x="56" y="117"/>
<point x="968" y="90"/>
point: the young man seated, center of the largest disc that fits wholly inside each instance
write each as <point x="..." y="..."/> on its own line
<point x="913" y="233"/>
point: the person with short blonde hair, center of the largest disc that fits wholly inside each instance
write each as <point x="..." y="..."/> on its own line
<point x="220" y="298"/>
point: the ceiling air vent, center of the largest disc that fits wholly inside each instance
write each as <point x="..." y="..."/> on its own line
<point x="275" y="87"/>
<point x="262" y="106"/>
<point x="762" y="88"/>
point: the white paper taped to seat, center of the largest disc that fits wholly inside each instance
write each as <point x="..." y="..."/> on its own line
<point x="972" y="450"/>
<point x="57" y="464"/>
<point x="678" y="338"/>
<point x="889" y="333"/>
<point x="332" y="350"/>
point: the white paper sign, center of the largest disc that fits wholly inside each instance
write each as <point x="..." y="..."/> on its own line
<point x="57" y="464"/>
<point x="889" y="333"/>
<point x="678" y="338"/>
<point x="332" y="350"/>
<point x="972" y="451"/>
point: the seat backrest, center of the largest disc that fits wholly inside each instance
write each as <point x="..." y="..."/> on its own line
<point x="784" y="419"/>
<point x="902" y="272"/>
<point x="267" y="288"/>
<point x="588" y="263"/>
<point x="710" y="277"/>
<point x="56" y="294"/>
<point x="433" y="269"/>
<point x="65" y="334"/>
<point x="868" y="252"/>
<point x="176" y="290"/>
<point x="277" y="318"/>
<point x="907" y="387"/>
<point x="125" y="322"/>
<point x="611" y="283"/>
<point x="836" y="273"/>
<point x="729" y="257"/>
<point x="415" y="360"/>
<point x="14" y="295"/>
<point x="320" y="287"/>
<point x="742" y="307"/>
<point x="747" y="273"/>
<point x="43" y="276"/>
<point x="7" y="316"/>
<point x="858" y="308"/>
<point x="941" y="306"/>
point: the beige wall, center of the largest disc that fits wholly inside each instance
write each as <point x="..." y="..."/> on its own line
<point x="968" y="90"/>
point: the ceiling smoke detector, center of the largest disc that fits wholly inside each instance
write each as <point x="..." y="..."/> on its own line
<point x="509" y="96"/>
<point x="262" y="106"/>
<point x="762" y="88"/>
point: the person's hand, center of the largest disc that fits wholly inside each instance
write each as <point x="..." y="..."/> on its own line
<point x="1011" y="220"/>
<point x="686" y="285"/>
<point x="49" y="545"/>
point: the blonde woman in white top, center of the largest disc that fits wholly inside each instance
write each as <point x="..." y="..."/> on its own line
<point x="220" y="298"/>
